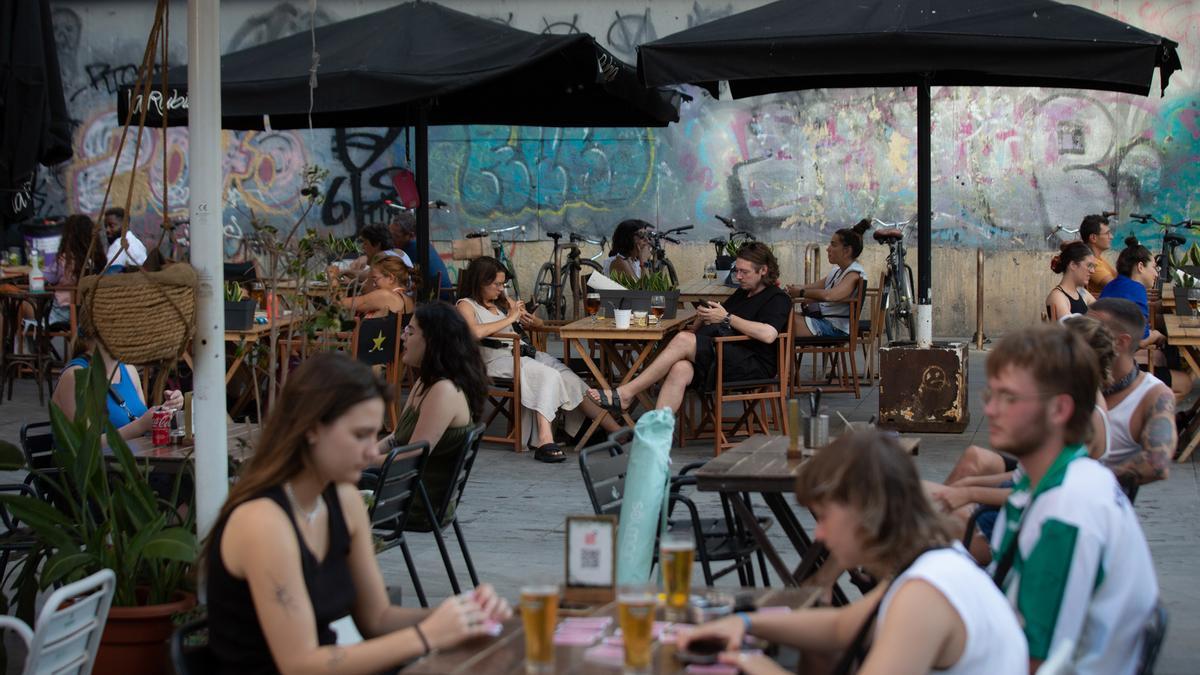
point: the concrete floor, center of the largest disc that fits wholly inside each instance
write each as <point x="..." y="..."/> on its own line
<point x="513" y="510"/>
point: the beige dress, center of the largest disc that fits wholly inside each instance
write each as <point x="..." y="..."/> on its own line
<point x="547" y="385"/>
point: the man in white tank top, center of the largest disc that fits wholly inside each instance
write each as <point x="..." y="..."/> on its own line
<point x="1141" y="408"/>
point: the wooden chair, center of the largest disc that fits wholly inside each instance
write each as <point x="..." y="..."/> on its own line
<point x="839" y="350"/>
<point x="376" y="342"/>
<point x="870" y="331"/>
<point x="504" y="397"/>
<point x="762" y="399"/>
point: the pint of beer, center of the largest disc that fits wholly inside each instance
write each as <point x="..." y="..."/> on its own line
<point x="676" y="552"/>
<point x="539" y="613"/>
<point x="636" y="615"/>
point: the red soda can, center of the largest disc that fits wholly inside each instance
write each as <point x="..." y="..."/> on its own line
<point x="160" y="427"/>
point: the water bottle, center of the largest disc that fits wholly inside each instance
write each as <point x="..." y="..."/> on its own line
<point x="37" y="278"/>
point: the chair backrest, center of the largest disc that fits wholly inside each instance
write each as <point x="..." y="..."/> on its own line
<point x="190" y="653"/>
<point x="67" y="636"/>
<point x="376" y="342"/>
<point x="1182" y="306"/>
<point x="397" y="485"/>
<point x="603" y="467"/>
<point x="1153" y="634"/>
<point x="462" y="472"/>
<point x="37" y="442"/>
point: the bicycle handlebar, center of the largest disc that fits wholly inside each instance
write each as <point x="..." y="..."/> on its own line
<point x="727" y="221"/>
<point x="897" y="225"/>
<point x="579" y="238"/>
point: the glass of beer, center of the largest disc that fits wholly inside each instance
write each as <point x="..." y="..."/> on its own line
<point x="636" y="606"/>
<point x="592" y="305"/>
<point x="677" y="550"/>
<point x="658" y="306"/>
<point x="539" y="614"/>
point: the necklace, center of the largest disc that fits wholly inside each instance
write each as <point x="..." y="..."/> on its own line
<point x="1123" y="383"/>
<point x="309" y="516"/>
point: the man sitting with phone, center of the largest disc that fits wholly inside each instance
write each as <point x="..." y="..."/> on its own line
<point x="758" y="309"/>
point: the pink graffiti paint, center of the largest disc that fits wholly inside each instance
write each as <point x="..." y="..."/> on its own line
<point x="1190" y="119"/>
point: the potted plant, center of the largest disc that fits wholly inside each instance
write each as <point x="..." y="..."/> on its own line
<point x="639" y="292"/>
<point x="239" y="307"/>
<point x="105" y="515"/>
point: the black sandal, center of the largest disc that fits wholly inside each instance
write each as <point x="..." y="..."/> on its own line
<point x="613" y="407"/>
<point x="550" y="453"/>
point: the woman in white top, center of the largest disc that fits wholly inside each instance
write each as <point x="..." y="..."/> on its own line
<point x="630" y="249"/>
<point x="933" y="609"/>
<point x="547" y="385"/>
<point x="826" y="305"/>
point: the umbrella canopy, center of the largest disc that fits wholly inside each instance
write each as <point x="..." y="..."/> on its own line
<point x="380" y="69"/>
<point x="808" y="44"/>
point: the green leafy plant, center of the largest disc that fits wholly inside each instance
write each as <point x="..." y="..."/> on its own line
<point x="105" y="514"/>
<point x="659" y="282"/>
<point x="234" y="292"/>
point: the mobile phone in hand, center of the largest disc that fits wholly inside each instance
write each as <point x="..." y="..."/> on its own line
<point x="700" y="304"/>
<point x="701" y="652"/>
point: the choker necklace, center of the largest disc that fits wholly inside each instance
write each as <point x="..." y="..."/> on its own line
<point x="1123" y="383"/>
<point x="309" y="516"/>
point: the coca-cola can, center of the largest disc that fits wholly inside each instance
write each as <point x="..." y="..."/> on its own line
<point x="160" y="428"/>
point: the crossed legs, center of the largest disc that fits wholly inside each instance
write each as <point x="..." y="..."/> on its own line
<point x="673" y="366"/>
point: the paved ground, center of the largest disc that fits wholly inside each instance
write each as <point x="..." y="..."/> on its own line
<point x="513" y="510"/>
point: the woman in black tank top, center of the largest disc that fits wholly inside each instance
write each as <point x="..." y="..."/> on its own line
<point x="1075" y="262"/>
<point x="291" y="550"/>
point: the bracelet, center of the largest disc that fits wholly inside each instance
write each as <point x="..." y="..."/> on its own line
<point x="424" y="641"/>
<point x="745" y="617"/>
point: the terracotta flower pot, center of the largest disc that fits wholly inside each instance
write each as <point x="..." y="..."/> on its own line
<point x="135" y="638"/>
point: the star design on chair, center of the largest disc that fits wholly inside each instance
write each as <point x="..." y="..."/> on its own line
<point x="377" y="342"/>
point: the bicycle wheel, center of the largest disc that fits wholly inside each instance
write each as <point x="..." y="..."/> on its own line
<point x="909" y="303"/>
<point x="898" y="320"/>
<point x="545" y="294"/>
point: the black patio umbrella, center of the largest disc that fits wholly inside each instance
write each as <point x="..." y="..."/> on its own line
<point x="811" y="44"/>
<point x="418" y="64"/>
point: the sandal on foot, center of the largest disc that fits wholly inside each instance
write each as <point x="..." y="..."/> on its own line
<point x="550" y="453"/>
<point x="613" y="406"/>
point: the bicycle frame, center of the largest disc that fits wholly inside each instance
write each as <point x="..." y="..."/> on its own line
<point x="1170" y="241"/>
<point x="898" y="279"/>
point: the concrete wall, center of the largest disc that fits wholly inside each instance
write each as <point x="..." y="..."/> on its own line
<point x="1009" y="163"/>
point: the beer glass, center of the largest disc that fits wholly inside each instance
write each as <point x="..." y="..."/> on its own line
<point x="636" y="606"/>
<point x="539" y="614"/>
<point x="592" y="305"/>
<point x="658" y="306"/>
<point x="677" y="550"/>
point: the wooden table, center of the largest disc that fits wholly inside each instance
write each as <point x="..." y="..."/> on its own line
<point x="8" y="272"/>
<point x="243" y="339"/>
<point x="760" y="464"/>
<point x="505" y="655"/>
<point x="240" y="437"/>
<point x="703" y="289"/>
<point x="626" y="349"/>
<point x="1184" y="332"/>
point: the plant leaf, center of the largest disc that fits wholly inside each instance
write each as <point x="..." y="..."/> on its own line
<point x="173" y="543"/>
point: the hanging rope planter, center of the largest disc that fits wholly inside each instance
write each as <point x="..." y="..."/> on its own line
<point x="142" y="318"/>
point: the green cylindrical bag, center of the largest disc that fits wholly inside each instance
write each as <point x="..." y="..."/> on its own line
<point x="643" y="510"/>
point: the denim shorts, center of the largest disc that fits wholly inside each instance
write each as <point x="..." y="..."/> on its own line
<point x="823" y="327"/>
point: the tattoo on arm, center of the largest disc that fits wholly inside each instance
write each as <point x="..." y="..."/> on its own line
<point x="283" y="596"/>
<point x="1159" y="438"/>
<point x="336" y="655"/>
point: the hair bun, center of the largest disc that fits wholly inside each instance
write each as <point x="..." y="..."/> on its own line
<point x="1131" y="241"/>
<point x="1056" y="264"/>
<point x="862" y="226"/>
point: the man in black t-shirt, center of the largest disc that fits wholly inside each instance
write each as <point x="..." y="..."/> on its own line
<point x="758" y="309"/>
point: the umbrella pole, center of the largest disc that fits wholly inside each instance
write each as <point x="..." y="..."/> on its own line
<point x="422" y="171"/>
<point x="207" y="256"/>
<point x="924" y="213"/>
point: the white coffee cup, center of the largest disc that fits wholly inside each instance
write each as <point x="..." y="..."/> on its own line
<point x="621" y="317"/>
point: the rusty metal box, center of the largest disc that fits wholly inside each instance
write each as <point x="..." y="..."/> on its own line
<point x="924" y="390"/>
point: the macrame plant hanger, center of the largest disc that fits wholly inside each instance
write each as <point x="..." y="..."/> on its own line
<point x="144" y="318"/>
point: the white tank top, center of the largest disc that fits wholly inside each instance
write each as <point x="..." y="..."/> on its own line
<point x="995" y="643"/>
<point x="1107" y="429"/>
<point x="1122" y="446"/>
<point x="635" y="264"/>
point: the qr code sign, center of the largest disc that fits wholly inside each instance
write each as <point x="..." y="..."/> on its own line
<point x="589" y="558"/>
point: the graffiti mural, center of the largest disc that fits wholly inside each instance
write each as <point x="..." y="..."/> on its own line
<point x="1009" y="163"/>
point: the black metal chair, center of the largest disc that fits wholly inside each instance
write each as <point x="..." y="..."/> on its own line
<point x="190" y="653"/>
<point x="439" y="519"/>
<point x="16" y="539"/>
<point x="1153" y="634"/>
<point x="604" y="466"/>
<point x="397" y="487"/>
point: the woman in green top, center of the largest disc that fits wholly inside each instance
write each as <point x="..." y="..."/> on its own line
<point x="446" y="400"/>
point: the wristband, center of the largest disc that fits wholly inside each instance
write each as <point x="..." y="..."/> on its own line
<point x="745" y="617"/>
<point x="424" y="641"/>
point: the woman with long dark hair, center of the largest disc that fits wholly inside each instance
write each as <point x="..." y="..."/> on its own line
<point x="826" y="304"/>
<point x="292" y="551"/>
<point x="1075" y="262"/>
<point x="547" y="385"/>
<point x="934" y="608"/>
<point x="630" y="248"/>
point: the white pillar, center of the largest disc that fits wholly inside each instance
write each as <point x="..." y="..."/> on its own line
<point x="924" y="326"/>
<point x="204" y="183"/>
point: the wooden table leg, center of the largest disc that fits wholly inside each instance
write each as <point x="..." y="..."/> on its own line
<point x="601" y="381"/>
<point x="1192" y="433"/>
<point x="629" y="371"/>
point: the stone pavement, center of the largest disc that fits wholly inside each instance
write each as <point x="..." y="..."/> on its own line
<point x="513" y="509"/>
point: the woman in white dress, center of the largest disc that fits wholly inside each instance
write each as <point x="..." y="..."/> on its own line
<point x="547" y="385"/>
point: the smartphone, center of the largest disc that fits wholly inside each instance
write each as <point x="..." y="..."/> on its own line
<point x="701" y="652"/>
<point x="698" y="304"/>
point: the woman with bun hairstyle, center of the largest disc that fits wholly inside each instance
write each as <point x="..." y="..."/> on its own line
<point x="1075" y="262"/>
<point x="826" y="304"/>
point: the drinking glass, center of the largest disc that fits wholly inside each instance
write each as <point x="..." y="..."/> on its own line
<point x="711" y="606"/>
<point x="677" y="551"/>
<point x="592" y="305"/>
<point x="636" y="616"/>
<point x="539" y="613"/>
<point x="710" y="271"/>
<point x="658" y="306"/>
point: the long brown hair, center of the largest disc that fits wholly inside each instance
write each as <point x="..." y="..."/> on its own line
<point x="481" y="272"/>
<point x="869" y="472"/>
<point x="77" y="233"/>
<point x="321" y="390"/>
<point x="761" y="255"/>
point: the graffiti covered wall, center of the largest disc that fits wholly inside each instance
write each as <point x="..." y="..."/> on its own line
<point x="1009" y="164"/>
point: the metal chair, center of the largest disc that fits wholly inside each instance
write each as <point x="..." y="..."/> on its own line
<point x="453" y="497"/>
<point x="1153" y="634"/>
<point x="15" y="538"/>
<point x="190" y="653"/>
<point x="396" y="489"/>
<point x="67" y="633"/>
<point x="604" y="466"/>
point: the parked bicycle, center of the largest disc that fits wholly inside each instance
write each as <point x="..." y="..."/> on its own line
<point x="557" y="282"/>
<point x="726" y="248"/>
<point x="500" y="253"/>
<point x="897" y="296"/>
<point x="1066" y="234"/>
<point x="1171" y="240"/>
<point x="658" y="255"/>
